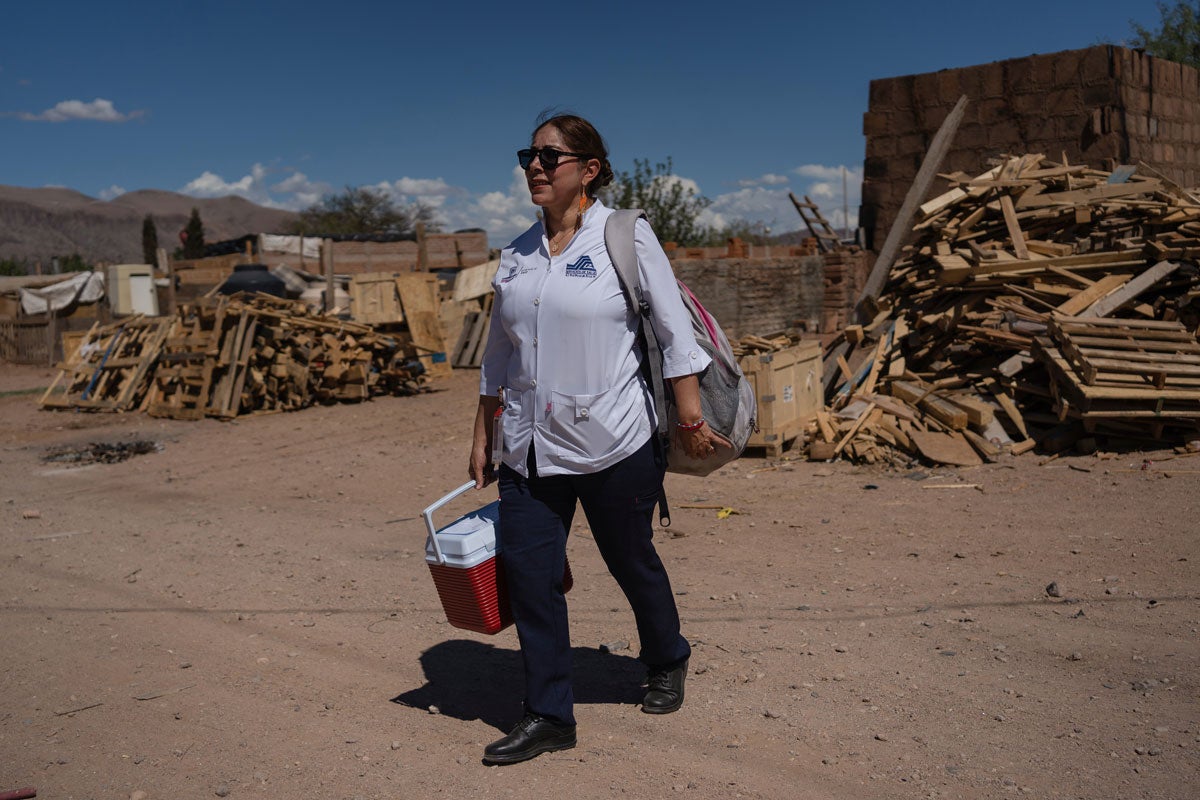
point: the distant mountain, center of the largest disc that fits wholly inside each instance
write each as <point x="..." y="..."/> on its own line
<point x="39" y="224"/>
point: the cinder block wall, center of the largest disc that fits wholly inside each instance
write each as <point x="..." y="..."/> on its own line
<point x="757" y="295"/>
<point x="1102" y="106"/>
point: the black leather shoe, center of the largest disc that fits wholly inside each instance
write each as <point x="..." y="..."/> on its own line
<point x="664" y="693"/>
<point x="531" y="737"/>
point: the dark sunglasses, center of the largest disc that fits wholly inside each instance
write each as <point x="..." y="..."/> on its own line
<point x="549" y="156"/>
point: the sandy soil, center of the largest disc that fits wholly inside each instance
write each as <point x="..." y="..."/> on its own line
<point x="246" y="612"/>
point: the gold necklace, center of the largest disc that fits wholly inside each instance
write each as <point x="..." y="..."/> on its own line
<point x="555" y="246"/>
<point x="568" y="232"/>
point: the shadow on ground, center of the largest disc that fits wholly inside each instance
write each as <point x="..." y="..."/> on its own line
<point x="471" y="680"/>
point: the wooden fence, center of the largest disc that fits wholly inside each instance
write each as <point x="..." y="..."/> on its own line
<point x="37" y="340"/>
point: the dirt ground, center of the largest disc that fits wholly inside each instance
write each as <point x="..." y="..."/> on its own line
<point x="245" y="611"/>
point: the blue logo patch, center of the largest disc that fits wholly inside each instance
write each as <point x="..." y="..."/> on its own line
<point x="582" y="268"/>
<point x="512" y="273"/>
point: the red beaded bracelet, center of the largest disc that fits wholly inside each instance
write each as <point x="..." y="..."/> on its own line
<point x="695" y="426"/>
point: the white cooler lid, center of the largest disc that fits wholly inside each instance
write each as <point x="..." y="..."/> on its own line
<point x="469" y="540"/>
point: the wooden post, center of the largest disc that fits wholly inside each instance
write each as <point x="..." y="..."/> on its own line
<point x="327" y="265"/>
<point x="51" y="333"/>
<point x="302" y="251"/>
<point x="902" y="226"/>
<point x="422" y="252"/>
<point x="164" y="264"/>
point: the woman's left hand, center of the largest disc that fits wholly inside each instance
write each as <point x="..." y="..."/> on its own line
<point x="699" y="443"/>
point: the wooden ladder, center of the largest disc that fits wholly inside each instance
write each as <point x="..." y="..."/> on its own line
<point x="827" y="240"/>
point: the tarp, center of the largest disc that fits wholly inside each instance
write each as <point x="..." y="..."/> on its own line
<point x="275" y="243"/>
<point x="85" y="287"/>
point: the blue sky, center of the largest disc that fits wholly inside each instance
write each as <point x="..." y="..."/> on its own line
<point x="282" y="102"/>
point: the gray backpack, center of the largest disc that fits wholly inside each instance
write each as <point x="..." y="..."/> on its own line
<point x="726" y="397"/>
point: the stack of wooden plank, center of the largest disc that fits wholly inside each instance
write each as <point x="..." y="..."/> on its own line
<point x="1061" y="297"/>
<point x="752" y="344"/>
<point x="274" y="355"/>
<point x="231" y="356"/>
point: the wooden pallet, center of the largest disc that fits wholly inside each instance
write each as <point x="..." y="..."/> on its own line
<point x="113" y="367"/>
<point x="473" y="339"/>
<point x="183" y="378"/>
<point x="1135" y="352"/>
<point x="1112" y="394"/>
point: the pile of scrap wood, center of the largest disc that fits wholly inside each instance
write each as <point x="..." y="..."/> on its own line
<point x="752" y="344"/>
<point x="1058" y="300"/>
<point x="230" y="356"/>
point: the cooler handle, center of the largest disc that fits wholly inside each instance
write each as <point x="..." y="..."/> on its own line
<point x="428" y="515"/>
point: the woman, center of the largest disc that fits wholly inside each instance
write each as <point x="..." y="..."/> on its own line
<point x="577" y="426"/>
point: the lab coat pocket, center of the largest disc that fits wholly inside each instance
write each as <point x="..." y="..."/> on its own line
<point x="580" y="423"/>
<point x="515" y="404"/>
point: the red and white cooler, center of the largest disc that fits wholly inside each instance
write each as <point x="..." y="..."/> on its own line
<point x="469" y="576"/>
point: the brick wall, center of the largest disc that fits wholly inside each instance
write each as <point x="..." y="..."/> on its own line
<point x="1103" y="106"/>
<point x="757" y="295"/>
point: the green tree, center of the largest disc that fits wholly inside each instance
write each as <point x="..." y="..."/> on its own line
<point x="11" y="266"/>
<point x="73" y="263"/>
<point x="149" y="241"/>
<point x="672" y="206"/>
<point x="193" y="242"/>
<point x="362" y="210"/>
<point x="1178" y="38"/>
<point x="749" y="231"/>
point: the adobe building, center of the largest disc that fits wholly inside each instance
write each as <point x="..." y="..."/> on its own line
<point x="1103" y="106"/>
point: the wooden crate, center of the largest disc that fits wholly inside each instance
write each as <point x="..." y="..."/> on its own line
<point x="787" y="384"/>
<point x="374" y="300"/>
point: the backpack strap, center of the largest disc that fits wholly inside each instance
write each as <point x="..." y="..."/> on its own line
<point x="618" y="238"/>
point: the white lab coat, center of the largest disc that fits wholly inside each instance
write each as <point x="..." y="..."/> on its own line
<point x="563" y="345"/>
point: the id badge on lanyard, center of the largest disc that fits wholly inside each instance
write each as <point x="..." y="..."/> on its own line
<point x="498" y="433"/>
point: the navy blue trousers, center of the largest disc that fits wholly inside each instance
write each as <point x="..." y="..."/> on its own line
<point x="535" y="519"/>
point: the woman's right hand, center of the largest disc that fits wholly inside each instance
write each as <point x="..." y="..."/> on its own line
<point x="479" y="467"/>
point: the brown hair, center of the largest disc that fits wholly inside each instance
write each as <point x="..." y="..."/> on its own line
<point x="581" y="137"/>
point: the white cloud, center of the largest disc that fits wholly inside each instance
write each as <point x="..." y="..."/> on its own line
<point x="253" y="187"/>
<point x="506" y="213"/>
<point x="112" y="192"/>
<point x="99" y="110"/>
<point x="770" y="179"/>
<point x="819" y="171"/>
<point x="301" y="192"/>
<point x="764" y="199"/>
<point x="422" y="187"/>
<point x="821" y="190"/>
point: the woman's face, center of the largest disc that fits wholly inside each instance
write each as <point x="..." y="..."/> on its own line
<point x="557" y="188"/>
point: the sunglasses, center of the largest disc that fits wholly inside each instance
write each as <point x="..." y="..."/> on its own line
<point x="549" y="156"/>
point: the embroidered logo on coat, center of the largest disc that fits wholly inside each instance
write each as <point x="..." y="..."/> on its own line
<point x="582" y="268"/>
<point x="512" y="273"/>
